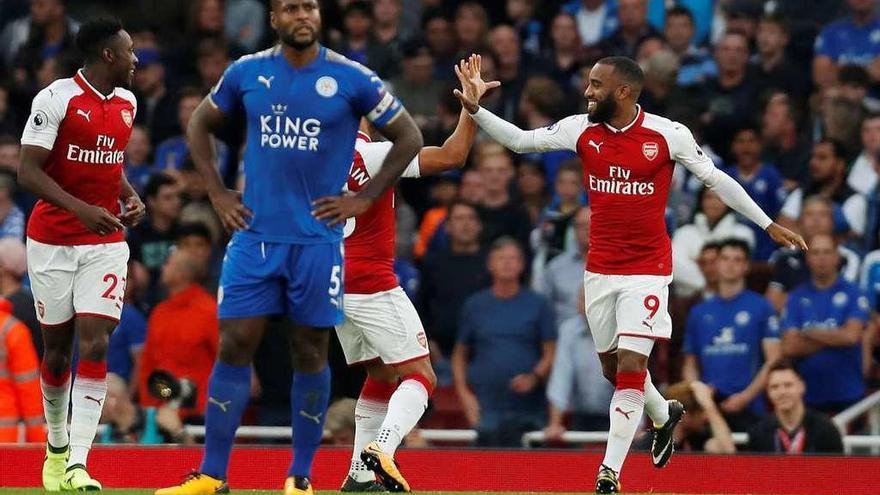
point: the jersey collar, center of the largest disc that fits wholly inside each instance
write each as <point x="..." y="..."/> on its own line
<point x="86" y="85"/>
<point x="639" y="116"/>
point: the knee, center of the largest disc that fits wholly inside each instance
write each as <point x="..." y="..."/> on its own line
<point x="234" y="350"/>
<point x="631" y="361"/>
<point x="56" y="362"/>
<point x="610" y="374"/>
<point x="94" y="348"/>
<point x="309" y="352"/>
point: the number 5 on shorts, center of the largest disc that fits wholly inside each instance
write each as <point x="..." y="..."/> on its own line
<point x="335" y="284"/>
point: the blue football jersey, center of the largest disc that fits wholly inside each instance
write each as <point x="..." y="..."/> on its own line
<point x="301" y="128"/>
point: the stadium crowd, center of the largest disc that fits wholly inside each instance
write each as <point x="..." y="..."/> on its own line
<point x="785" y="98"/>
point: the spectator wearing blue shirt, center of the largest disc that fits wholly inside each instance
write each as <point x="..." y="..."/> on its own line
<point x="12" y="219"/>
<point x="173" y="152"/>
<point x="562" y="280"/>
<point x="696" y="65"/>
<point x="138" y="167"/>
<point x="732" y="339"/>
<point x="504" y="352"/>
<point x="854" y="40"/>
<point x="633" y="28"/>
<point x="824" y="320"/>
<point x="762" y="181"/>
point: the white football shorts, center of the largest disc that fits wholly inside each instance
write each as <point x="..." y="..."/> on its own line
<point x="68" y="281"/>
<point x="384" y="325"/>
<point x="627" y="311"/>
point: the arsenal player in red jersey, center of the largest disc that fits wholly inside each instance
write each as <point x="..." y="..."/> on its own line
<point x="72" y="159"/>
<point x="628" y="157"/>
<point x="382" y="330"/>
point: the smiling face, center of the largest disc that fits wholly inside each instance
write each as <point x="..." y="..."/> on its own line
<point x="121" y="58"/>
<point x="297" y="22"/>
<point x="600" y="94"/>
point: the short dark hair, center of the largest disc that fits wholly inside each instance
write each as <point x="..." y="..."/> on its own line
<point x="627" y="68"/>
<point x="776" y="19"/>
<point x="506" y="241"/>
<point x="463" y="204"/>
<point x="156" y="182"/>
<point x="679" y="11"/>
<point x="94" y="35"/>
<point x="193" y="229"/>
<point x="189" y="92"/>
<point x="837" y="147"/>
<point x="572" y="165"/>
<point x="361" y="7"/>
<point x="736" y="244"/>
<point x="748" y="126"/>
<point x="710" y="245"/>
<point x="784" y="365"/>
<point x="853" y="75"/>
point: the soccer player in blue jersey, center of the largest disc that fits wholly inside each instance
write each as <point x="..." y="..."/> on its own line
<point x="302" y="104"/>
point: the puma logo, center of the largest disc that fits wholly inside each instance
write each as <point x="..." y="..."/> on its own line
<point x="594" y="145"/>
<point x="316" y="418"/>
<point x="267" y="82"/>
<point x="50" y="401"/>
<point x="649" y="325"/>
<point x="625" y="413"/>
<point x="85" y="115"/>
<point x="98" y="401"/>
<point x="222" y="405"/>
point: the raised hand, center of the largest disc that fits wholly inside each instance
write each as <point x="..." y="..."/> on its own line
<point x="785" y="237"/>
<point x="473" y="87"/>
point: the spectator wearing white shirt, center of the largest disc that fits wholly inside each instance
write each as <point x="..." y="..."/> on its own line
<point x="862" y="176"/>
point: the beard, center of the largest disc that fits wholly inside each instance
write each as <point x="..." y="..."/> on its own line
<point x="299" y="43"/>
<point x="604" y="110"/>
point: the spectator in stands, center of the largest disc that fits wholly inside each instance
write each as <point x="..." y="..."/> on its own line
<point x="182" y="333"/>
<point x="695" y="64"/>
<point x="713" y="222"/>
<point x="513" y="66"/>
<point x="157" y="106"/>
<point x="562" y="279"/>
<point x="732" y="339"/>
<point x="522" y="16"/>
<point x="138" y="163"/>
<point x="862" y="177"/>
<point x="451" y="275"/>
<point x="12" y="219"/>
<point x="633" y="28"/>
<point x="731" y="96"/>
<point x="761" y="180"/>
<point x="565" y="52"/>
<point x="542" y="103"/>
<point x="504" y="352"/>
<point x="703" y="428"/>
<point x="20" y="398"/>
<point x="789" y="266"/>
<point x="359" y="43"/>
<point x="854" y="85"/>
<point x="661" y="95"/>
<point x="792" y="428"/>
<point x="440" y="38"/>
<point x="195" y="240"/>
<point x="772" y="68"/>
<point x="784" y="146"/>
<point x="212" y="58"/>
<point x="827" y="179"/>
<point x="127" y="341"/>
<point x="822" y="328"/>
<point x="596" y="19"/>
<point x="245" y="23"/>
<point x="151" y="241"/>
<point x="552" y="235"/>
<point x="8" y="117"/>
<point x="9" y="149"/>
<point x="847" y="41"/>
<point x="13" y="268"/>
<point x="44" y="34"/>
<point x="471" y="27"/>
<point x="500" y="213"/>
<point x="576" y="387"/>
<point x="532" y="184"/>
<point x="390" y="33"/>
<point x="416" y="87"/>
<point x="172" y="153"/>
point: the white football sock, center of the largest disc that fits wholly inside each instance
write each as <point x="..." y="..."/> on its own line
<point x="368" y="416"/>
<point x="56" y="404"/>
<point x="626" y="416"/>
<point x="405" y="408"/>
<point x="655" y="405"/>
<point x="88" y="400"/>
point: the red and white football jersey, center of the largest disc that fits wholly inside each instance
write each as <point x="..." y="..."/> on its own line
<point x="370" y="237"/>
<point x="627" y="174"/>
<point x="87" y="133"/>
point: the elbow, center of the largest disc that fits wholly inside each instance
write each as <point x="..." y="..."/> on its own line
<point x="25" y="178"/>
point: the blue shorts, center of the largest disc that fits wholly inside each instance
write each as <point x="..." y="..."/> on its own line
<point x="300" y="281"/>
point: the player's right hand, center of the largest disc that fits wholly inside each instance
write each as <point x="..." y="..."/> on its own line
<point x="473" y="87"/>
<point x="98" y="219"/>
<point x="232" y="212"/>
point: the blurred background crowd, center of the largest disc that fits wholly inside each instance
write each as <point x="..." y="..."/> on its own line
<point x="785" y="98"/>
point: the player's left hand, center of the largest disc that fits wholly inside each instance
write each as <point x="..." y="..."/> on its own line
<point x="134" y="211"/>
<point x="785" y="237"/>
<point x="524" y="383"/>
<point x="735" y="403"/>
<point x="335" y="209"/>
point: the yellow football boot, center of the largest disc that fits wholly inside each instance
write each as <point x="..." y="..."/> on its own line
<point x="385" y="468"/>
<point x="196" y="484"/>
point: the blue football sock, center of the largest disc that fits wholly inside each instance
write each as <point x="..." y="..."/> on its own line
<point x="229" y="390"/>
<point x="309" y="395"/>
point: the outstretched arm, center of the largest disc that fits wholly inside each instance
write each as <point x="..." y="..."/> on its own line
<point x="438" y="159"/>
<point x="555" y="137"/>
